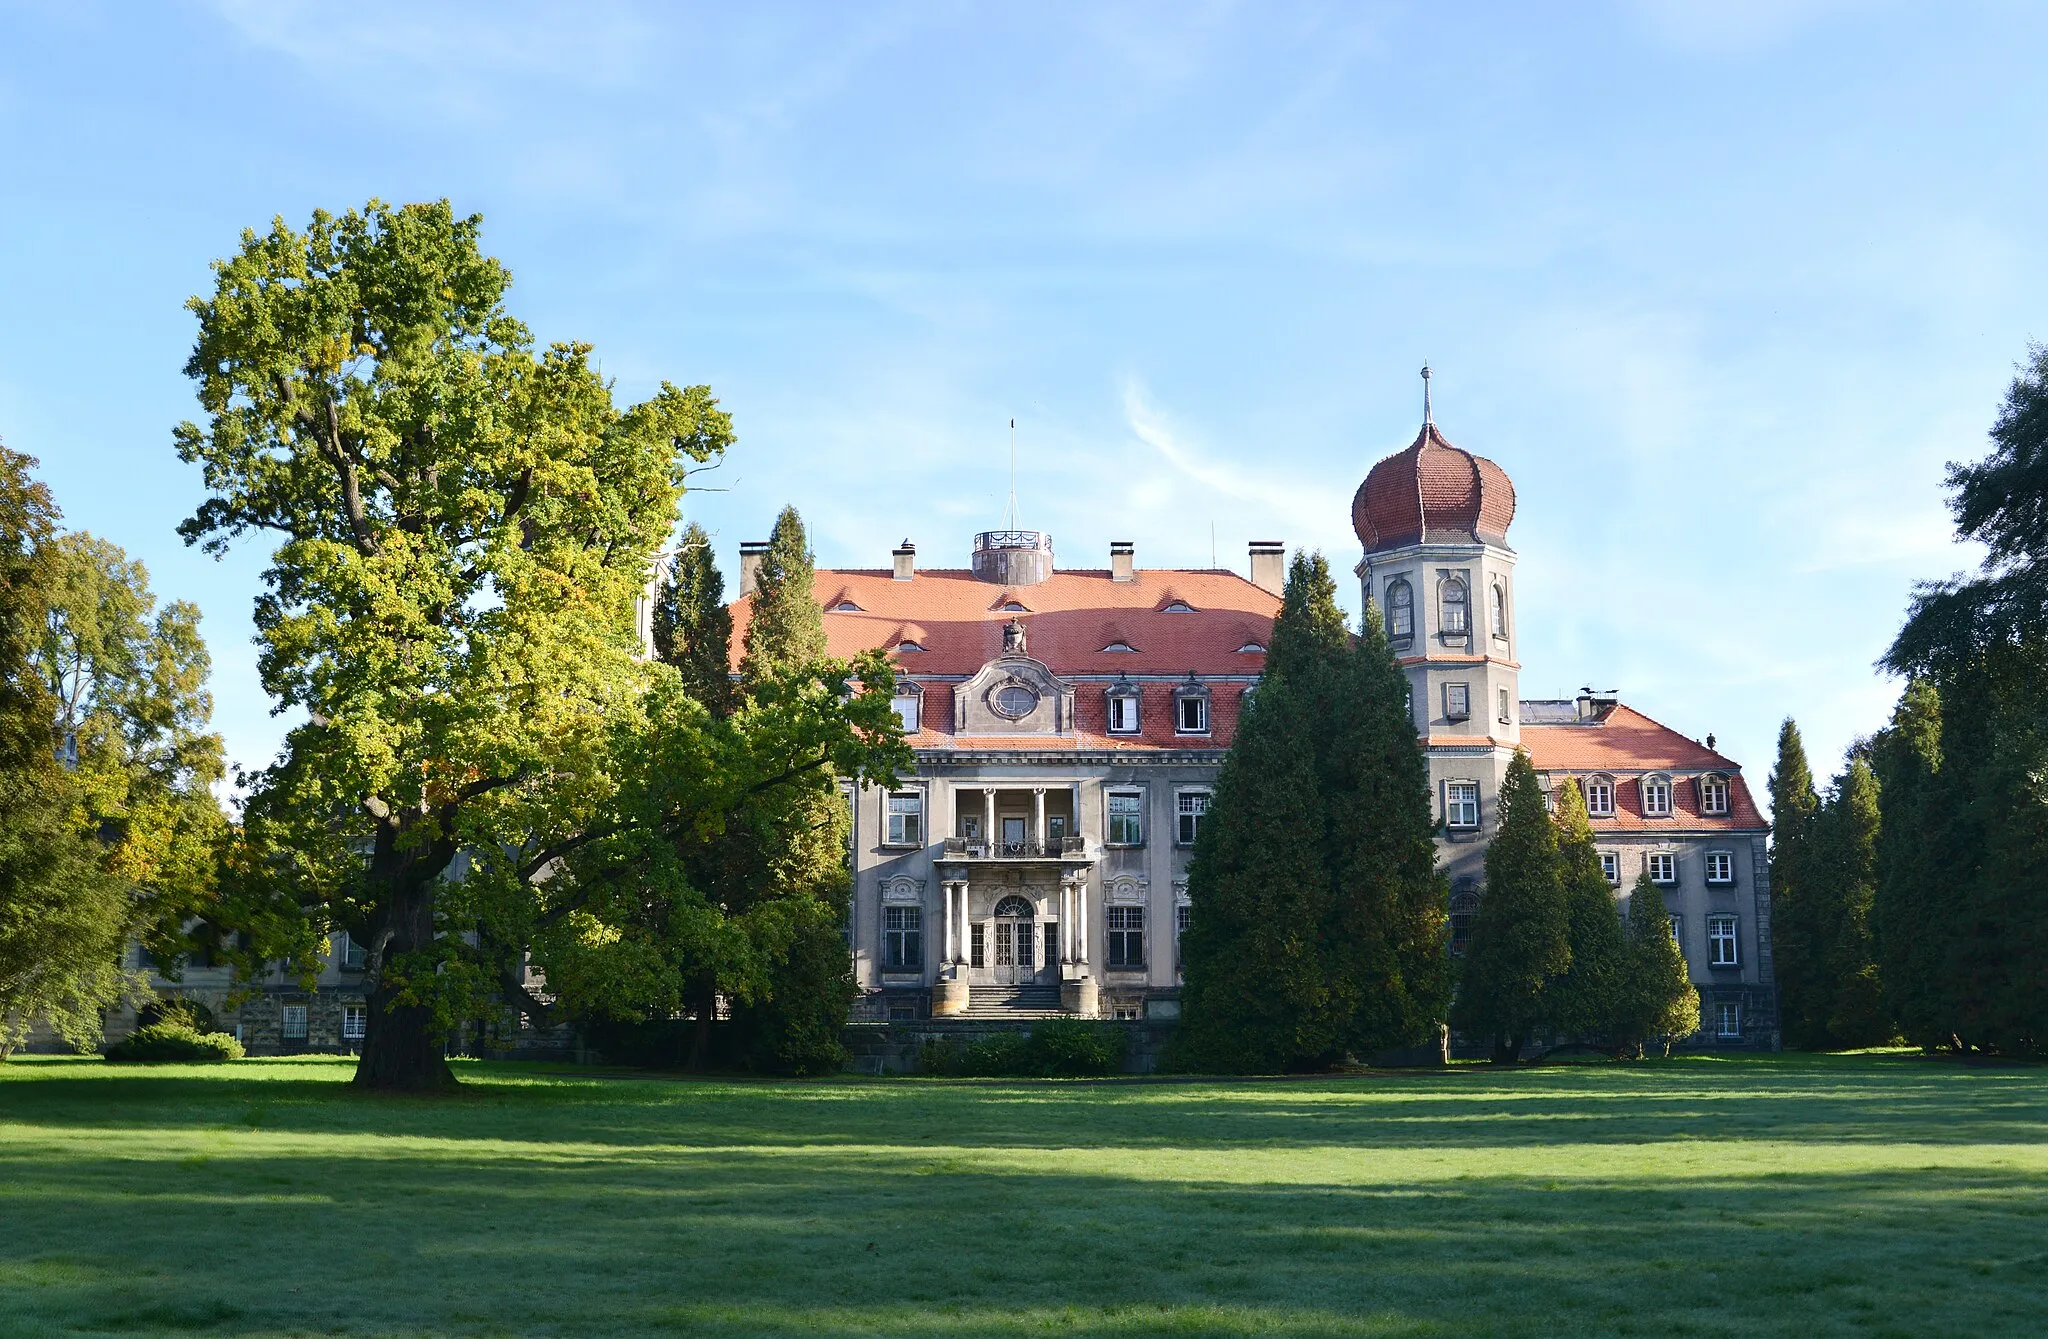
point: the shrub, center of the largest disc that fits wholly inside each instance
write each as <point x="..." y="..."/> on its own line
<point x="188" y="1013"/>
<point x="1056" y="1048"/>
<point x="175" y="1041"/>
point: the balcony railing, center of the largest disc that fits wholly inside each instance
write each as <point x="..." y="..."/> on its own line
<point x="976" y="848"/>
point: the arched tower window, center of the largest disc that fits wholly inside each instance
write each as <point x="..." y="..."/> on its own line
<point x="1455" y="602"/>
<point x="1400" y="612"/>
<point x="1500" y="610"/>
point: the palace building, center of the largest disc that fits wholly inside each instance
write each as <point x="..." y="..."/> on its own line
<point x="1069" y="724"/>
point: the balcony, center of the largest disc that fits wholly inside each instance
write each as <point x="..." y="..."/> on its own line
<point x="1056" y="848"/>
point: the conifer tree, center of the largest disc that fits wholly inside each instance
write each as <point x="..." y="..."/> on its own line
<point x="1659" y="998"/>
<point x="1845" y="1000"/>
<point x="1521" y="938"/>
<point x="1587" y="1000"/>
<point x="1797" y="942"/>
<point x="692" y="626"/>
<point x="787" y="625"/>
<point x="1910" y="929"/>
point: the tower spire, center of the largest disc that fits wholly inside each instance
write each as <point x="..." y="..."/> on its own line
<point x="1013" y="474"/>
<point x="1428" y="419"/>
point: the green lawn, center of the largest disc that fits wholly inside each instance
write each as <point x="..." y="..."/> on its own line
<point x="1806" y="1196"/>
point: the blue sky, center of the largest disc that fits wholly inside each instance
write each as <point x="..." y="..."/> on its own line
<point x="1722" y="286"/>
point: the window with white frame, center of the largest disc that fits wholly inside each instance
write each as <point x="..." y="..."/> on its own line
<point x="1457" y="702"/>
<point x="1191" y="711"/>
<point x="1714" y="795"/>
<point x="1663" y="867"/>
<point x="1599" y="797"/>
<point x="1400" y="612"/>
<point x="294" y="1022"/>
<point x="1126" y="818"/>
<point x="1656" y="796"/>
<point x="1500" y="610"/>
<point x="1720" y="867"/>
<point x="1461" y="804"/>
<point x="906" y="705"/>
<point x="1126" y="929"/>
<point x="1182" y="911"/>
<point x="1610" y="867"/>
<point x="1722" y="949"/>
<point x="355" y="1022"/>
<point x="1728" y="1018"/>
<point x="1501" y="706"/>
<point x="1188" y="807"/>
<point x="353" y="955"/>
<point x="1678" y="932"/>
<point x="906" y="819"/>
<point x="1454" y="606"/>
<point x="1123" y="708"/>
<point x="903" y="939"/>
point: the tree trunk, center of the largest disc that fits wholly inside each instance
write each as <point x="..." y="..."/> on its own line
<point x="403" y="1047"/>
<point x="1506" y="1049"/>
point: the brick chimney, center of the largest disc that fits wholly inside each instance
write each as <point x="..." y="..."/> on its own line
<point x="906" y="561"/>
<point x="751" y="553"/>
<point x="1269" y="565"/>
<point x="1123" y="556"/>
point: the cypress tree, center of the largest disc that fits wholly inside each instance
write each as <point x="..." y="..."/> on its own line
<point x="692" y="626"/>
<point x="1797" y="943"/>
<point x="782" y="867"/>
<point x="1388" y="935"/>
<point x="1586" y="1001"/>
<point x="1846" y="1000"/>
<point x="1915" y="863"/>
<point x="1521" y="937"/>
<point x="1658" y="996"/>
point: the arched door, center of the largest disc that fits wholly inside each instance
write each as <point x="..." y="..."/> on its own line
<point x="1015" y="930"/>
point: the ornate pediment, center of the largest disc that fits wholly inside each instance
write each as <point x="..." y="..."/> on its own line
<point x="1015" y="695"/>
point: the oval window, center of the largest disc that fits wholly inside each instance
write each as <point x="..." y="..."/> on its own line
<point x="1015" y="701"/>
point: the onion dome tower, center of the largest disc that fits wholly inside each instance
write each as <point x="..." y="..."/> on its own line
<point x="1433" y="521"/>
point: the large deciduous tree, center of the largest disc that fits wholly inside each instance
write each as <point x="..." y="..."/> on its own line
<point x="1318" y="918"/>
<point x="463" y="525"/>
<point x="1521" y="939"/>
<point x="64" y="915"/>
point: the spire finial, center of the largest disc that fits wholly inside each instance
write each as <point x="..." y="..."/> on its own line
<point x="1428" y="419"/>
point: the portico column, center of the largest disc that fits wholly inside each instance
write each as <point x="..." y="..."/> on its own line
<point x="1066" y="922"/>
<point x="946" y="924"/>
<point x="1038" y="814"/>
<point x="1081" y="923"/>
<point x="988" y="818"/>
<point x="966" y="931"/>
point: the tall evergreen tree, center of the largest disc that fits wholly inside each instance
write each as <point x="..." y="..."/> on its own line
<point x="1586" y="1001"/>
<point x="1521" y="938"/>
<point x="1658" y="996"/>
<point x="1844" y="1002"/>
<point x="786" y="625"/>
<point x="1917" y="863"/>
<point x="1318" y="917"/>
<point x="1798" y="944"/>
<point x="692" y="626"/>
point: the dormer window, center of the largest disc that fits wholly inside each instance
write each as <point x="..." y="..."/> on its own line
<point x="1123" y="708"/>
<point x="847" y="607"/>
<point x="1656" y="796"/>
<point x="1454" y="607"/>
<point x="907" y="646"/>
<point x="1599" y="796"/>
<point x="1400" y="612"/>
<point x="907" y="704"/>
<point x="1012" y="607"/>
<point x="1714" y="795"/>
<point x="1120" y="647"/>
<point x="1191" y="708"/>
<point x="1178" y="607"/>
<point x="1251" y="649"/>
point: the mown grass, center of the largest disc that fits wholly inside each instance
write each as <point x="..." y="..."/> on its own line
<point x="1771" y="1195"/>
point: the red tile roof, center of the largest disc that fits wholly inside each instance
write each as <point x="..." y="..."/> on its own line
<point x="1432" y="490"/>
<point x="1625" y="744"/>
<point x="1071" y="616"/>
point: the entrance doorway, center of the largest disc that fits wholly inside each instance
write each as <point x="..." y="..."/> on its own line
<point x="1015" y="935"/>
<point x="1013" y="836"/>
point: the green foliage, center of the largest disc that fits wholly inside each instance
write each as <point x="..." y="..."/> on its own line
<point x="1798" y="928"/>
<point x="1521" y="938"/>
<point x="463" y="527"/>
<point x="1318" y="918"/>
<point x="692" y="626"/>
<point x="1839" y="1002"/>
<point x="1588" y="1000"/>
<point x="1054" y="1048"/>
<point x="1917" y="866"/>
<point x="785" y="624"/>
<point x="64" y="914"/>
<point x="1658" y="998"/>
<point x="175" y="1040"/>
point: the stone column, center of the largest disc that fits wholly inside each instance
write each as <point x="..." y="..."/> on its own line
<point x="946" y="924"/>
<point x="1081" y="923"/>
<point x="988" y="818"/>
<point x="950" y="995"/>
<point x="1038" y="814"/>
<point x="1066" y="922"/>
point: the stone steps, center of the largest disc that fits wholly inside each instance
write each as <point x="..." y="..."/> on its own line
<point x="1013" y="1002"/>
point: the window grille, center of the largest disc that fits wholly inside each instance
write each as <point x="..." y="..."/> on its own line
<point x="355" y="1022"/>
<point x="1126" y="927"/>
<point x="1126" y="818"/>
<point x="903" y="939"/>
<point x="294" y="1020"/>
<point x="1728" y="1018"/>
